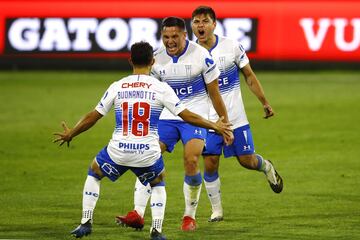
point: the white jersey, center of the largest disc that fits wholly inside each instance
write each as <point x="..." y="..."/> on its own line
<point x="138" y="101"/>
<point x="230" y="57"/>
<point x="188" y="75"/>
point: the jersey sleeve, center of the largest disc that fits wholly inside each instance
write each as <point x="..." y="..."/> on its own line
<point x="210" y="69"/>
<point x="241" y="58"/>
<point x="106" y="102"/>
<point x="171" y="101"/>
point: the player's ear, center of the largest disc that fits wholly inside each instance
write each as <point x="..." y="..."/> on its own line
<point x="130" y="62"/>
<point x="152" y="62"/>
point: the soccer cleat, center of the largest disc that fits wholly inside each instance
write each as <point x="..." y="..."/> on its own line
<point x="155" y="235"/>
<point x="188" y="224"/>
<point x="82" y="230"/>
<point x="216" y="219"/>
<point x="132" y="219"/>
<point x="216" y="216"/>
<point x="273" y="176"/>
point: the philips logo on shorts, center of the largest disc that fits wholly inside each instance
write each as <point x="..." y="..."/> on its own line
<point x="110" y="170"/>
<point x="134" y="146"/>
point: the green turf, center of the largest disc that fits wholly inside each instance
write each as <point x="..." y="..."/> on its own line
<point x="313" y="141"/>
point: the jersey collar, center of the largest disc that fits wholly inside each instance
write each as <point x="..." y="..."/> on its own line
<point x="216" y="43"/>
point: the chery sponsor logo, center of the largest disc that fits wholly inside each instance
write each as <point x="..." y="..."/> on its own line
<point x="316" y="31"/>
<point x="105" y="35"/>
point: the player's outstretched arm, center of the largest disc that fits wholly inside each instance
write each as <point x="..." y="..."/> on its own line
<point x="219" y="106"/>
<point x="83" y="124"/>
<point x="256" y="88"/>
<point x="220" y="127"/>
<point x="216" y="99"/>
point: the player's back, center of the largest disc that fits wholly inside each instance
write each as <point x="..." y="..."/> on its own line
<point x="137" y="101"/>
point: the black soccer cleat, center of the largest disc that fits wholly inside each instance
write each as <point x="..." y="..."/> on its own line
<point x="82" y="230"/>
<point x="155" y="235"/>
<point x="216" y="219"/>
<point x="278" y="187"/>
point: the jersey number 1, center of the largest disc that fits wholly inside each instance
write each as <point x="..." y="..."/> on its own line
<point x="138" y="119"/>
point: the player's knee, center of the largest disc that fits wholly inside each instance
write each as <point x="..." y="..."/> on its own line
<point x="158" y="181"/>
<point x="211" y="164"/>
<point x="248" y="161"/>
<point x="191" y="164"/>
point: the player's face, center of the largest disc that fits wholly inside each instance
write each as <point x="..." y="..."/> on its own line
<point x="203" y="27"/>
<point x="174" y="40"/>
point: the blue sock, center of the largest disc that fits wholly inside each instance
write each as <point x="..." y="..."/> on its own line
<point x="261" y="163"/>
<point x="193" y="180"/>
<point x="210" y="177"/>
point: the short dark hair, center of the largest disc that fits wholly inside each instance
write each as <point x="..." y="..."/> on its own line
<point x="204" y="10"/>
<point x="173" y="22"/>
<point x="141" y="54"/>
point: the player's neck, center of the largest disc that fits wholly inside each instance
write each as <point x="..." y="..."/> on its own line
<point x="209" y="43"/>
<point x="141" y="70"/>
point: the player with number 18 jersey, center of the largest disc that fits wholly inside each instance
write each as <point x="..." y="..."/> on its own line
<point x="138" y="101"/>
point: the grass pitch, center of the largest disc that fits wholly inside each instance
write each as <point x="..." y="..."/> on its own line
<point x="313" y="141"/>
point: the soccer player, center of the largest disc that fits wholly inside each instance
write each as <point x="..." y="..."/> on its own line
<point x="231" y="58"/>
<point x="138" y="101"/>
<point x="190" y="70"/>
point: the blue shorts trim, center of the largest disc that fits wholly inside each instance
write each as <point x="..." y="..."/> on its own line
<point x="171" y="131"/>
<point x="113" y="171"/>
<point x="243" y="143"/>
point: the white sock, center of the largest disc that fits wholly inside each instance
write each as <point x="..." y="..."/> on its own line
<point x="158" y="203"/>
<point x="91" y="194"/>
<point x="141" y="196"/>
<point x="192" y="195"/>
<point x="214" y="194"/>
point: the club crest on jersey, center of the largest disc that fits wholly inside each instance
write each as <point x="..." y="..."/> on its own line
<point x="198" y="131"/>
<point x="188" y="71"/>
<point x="222" y="63"/>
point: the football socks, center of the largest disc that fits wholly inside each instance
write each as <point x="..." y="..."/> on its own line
<point x="141" y="196"/>
<point x="157" y="204"/>
<point x="90" y="196"/>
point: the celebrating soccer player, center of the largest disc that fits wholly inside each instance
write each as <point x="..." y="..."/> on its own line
<point x="231" y="58"/>
<point x="138" y="101"/>
<point x="192" y="73"/>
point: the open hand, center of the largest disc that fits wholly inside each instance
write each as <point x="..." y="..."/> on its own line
<point x="64" y="136"/>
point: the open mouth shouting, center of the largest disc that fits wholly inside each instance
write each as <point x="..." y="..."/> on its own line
<point x="172" y="49"/>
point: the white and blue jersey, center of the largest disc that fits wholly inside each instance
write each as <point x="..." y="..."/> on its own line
<point x="230" y="57"/>
<point x="138" y="101"/>
<point x="188" y="75"/>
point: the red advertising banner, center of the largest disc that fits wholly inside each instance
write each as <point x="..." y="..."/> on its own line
<point x="269" y="30"/>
